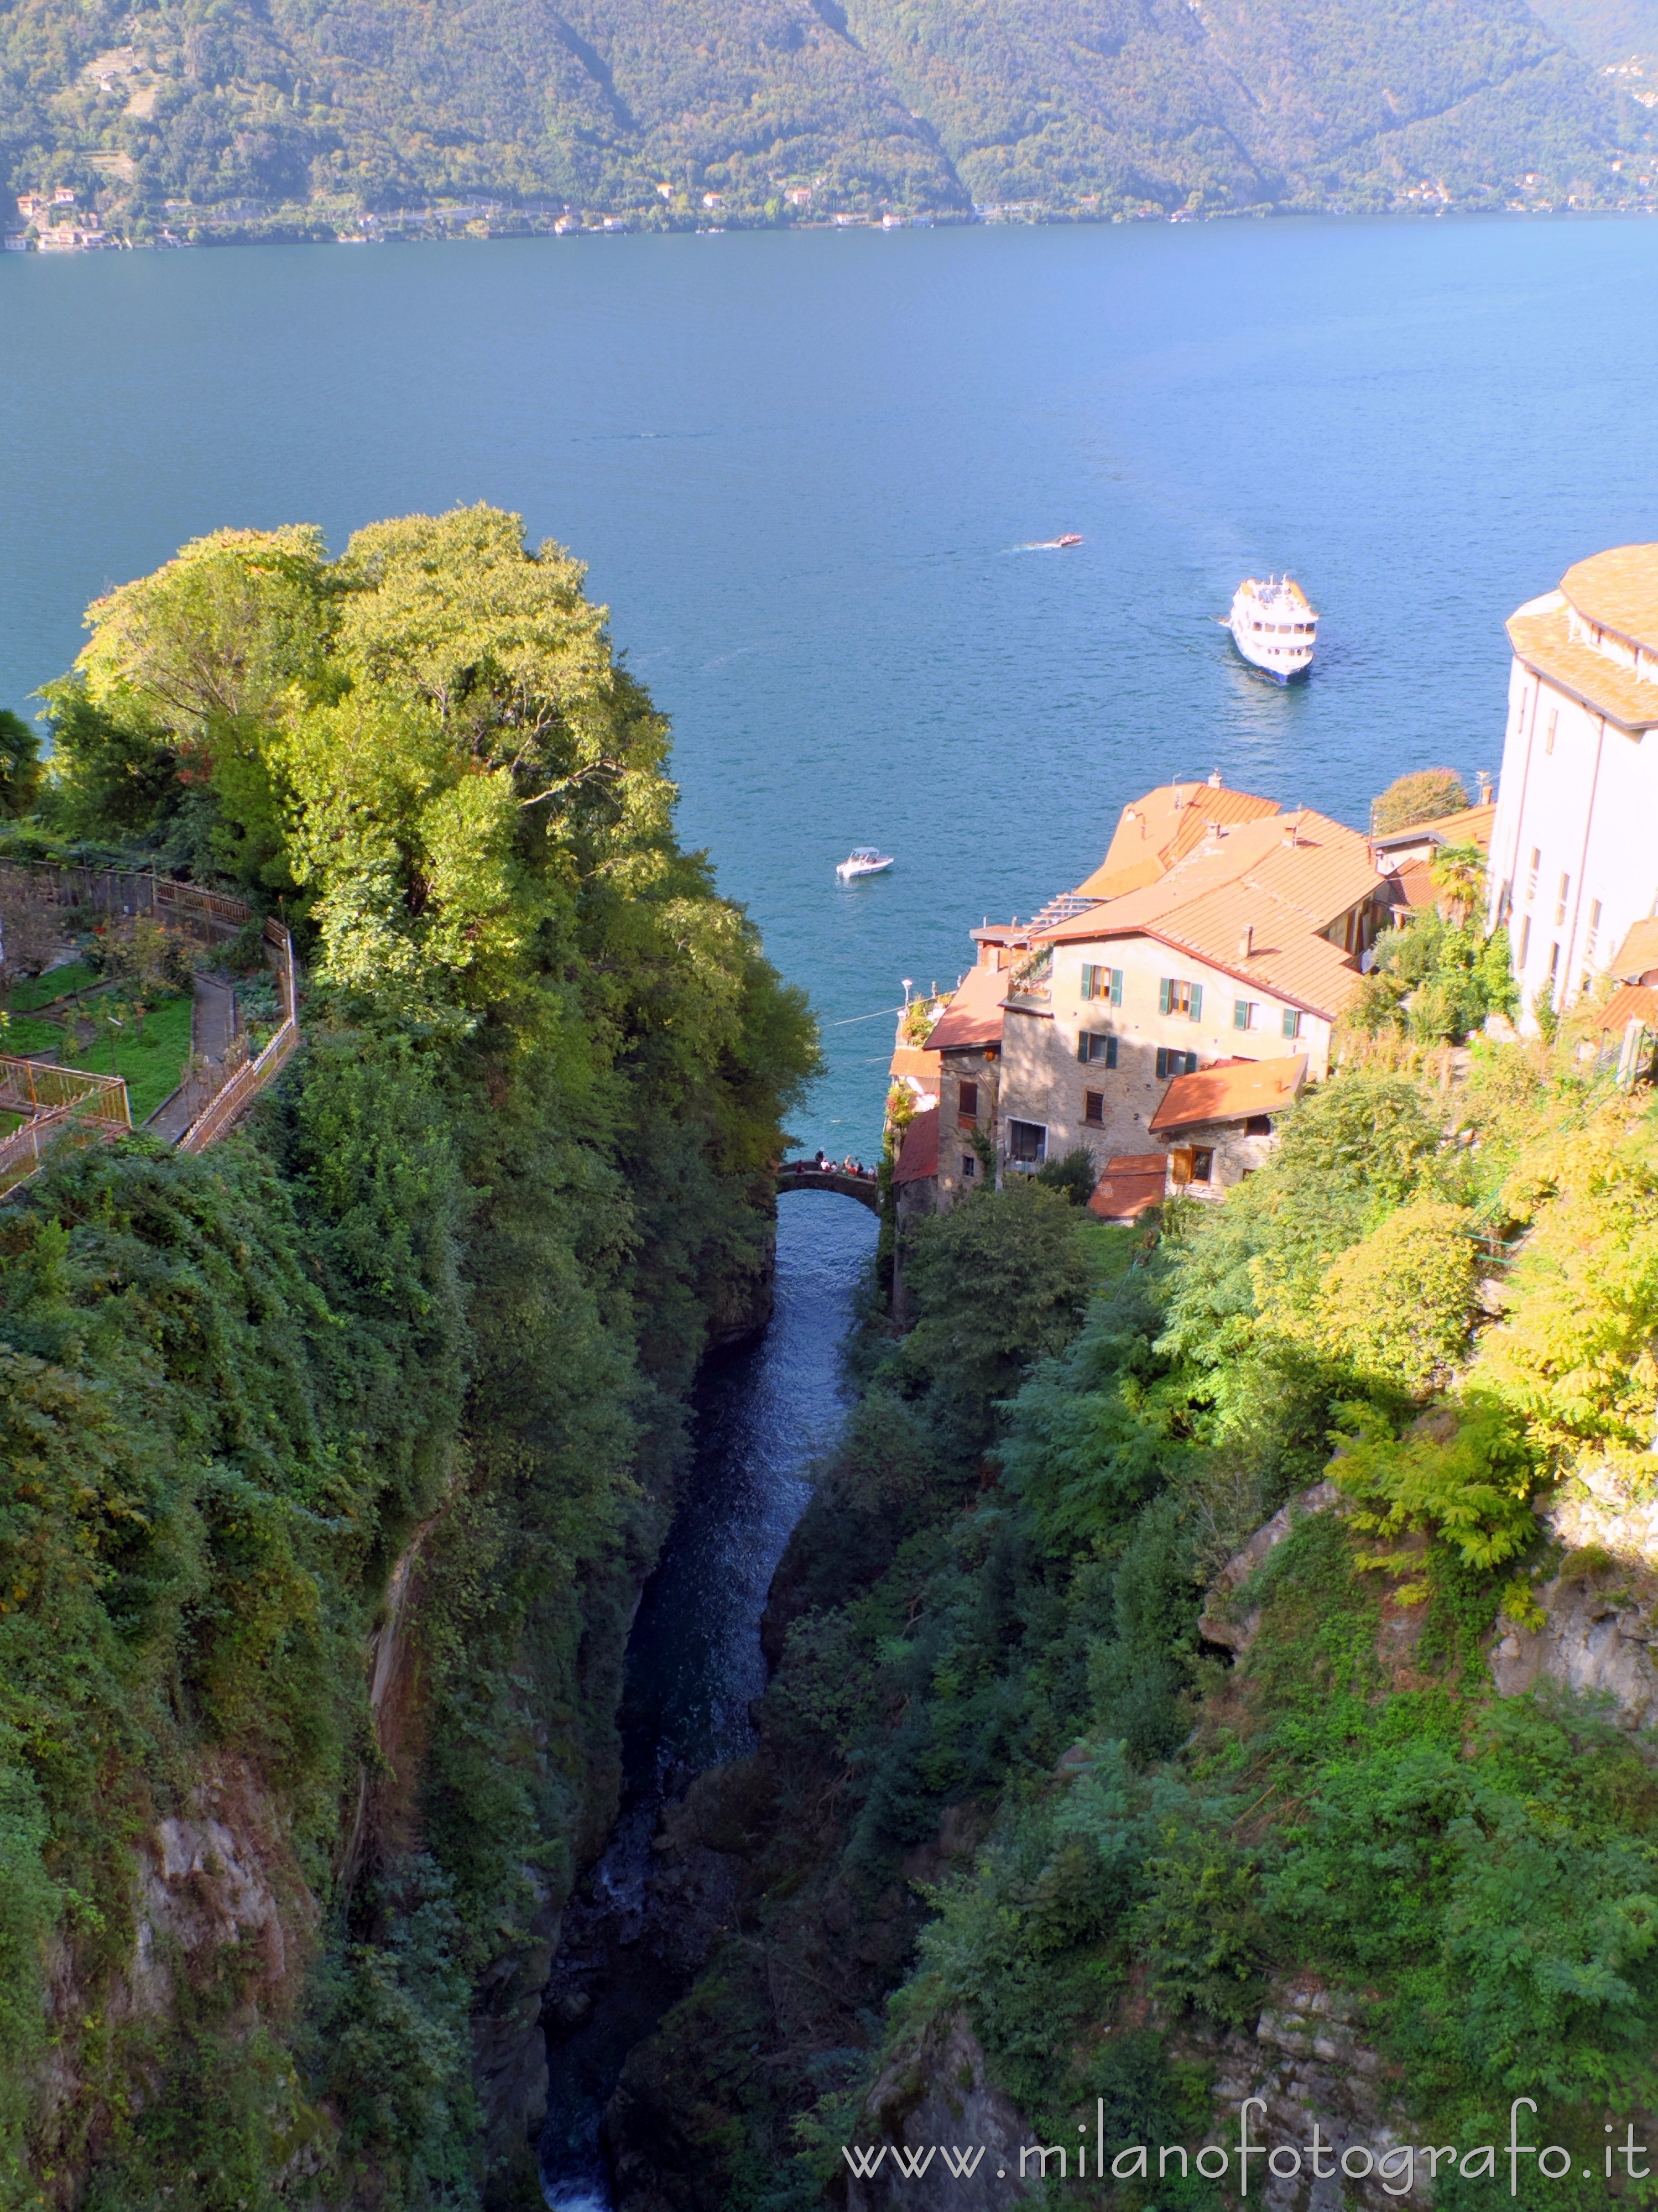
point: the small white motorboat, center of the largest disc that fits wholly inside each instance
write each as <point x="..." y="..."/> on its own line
<point x="864" y="860"/>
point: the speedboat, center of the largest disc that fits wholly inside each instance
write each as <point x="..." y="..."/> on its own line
<point x="1273" y="627"/>
<point x="1073" y="537"/>
<point x="864" y="860"/>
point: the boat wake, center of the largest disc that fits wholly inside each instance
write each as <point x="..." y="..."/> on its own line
<point x="1046" y="545"/>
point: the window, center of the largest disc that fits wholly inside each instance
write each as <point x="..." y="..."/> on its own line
<point x="1203" y="1164"/>
<point x="1258" y="1124"/>
<point x="968" y="1102"/>
<point x="1096" y="1048"/>
<point x="1525" y="941"/>
<point x="969" y="1167"/>
<point x="1175" y="997"/>
<point x="1560" y="901"/>
<point x="1094" y="1106"/>
<point x="1554" y="723"/>
<point x="1530" y="874"/>
<point x="1584" y="980"/>
<point x="1595" y="929"/>
<point x="1246" y="1014"/>
<point x="1175" y="1063"/>
<point x="1554" y="962"/>
<point x="1027" y="1141"/>
<point x="1291" y="1023"/>
<point x="1102" y="983"/>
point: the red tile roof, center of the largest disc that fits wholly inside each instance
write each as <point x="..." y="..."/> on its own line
<point x="1540" y="634"/>
<point x="917" y="1156"/>
<point x="916" y="1059"/>
<point x="1160" y="829"/>
<point x="1253" y="878"/>
<point x="1469" y="825"/>
<point x="1415" y="880"/>
<point x="1230" y="1093"/>
<point x="1630" y="1002"/>
<point x="1130" y="1183"/>
<point x="1618" y="589"/>
<point x="973" y="1016"/>
<point x="1637" y="955"/>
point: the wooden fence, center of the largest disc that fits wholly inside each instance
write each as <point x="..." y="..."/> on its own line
<point x="120" y="893"/>
<point x="242" y="1084"/>
<point x="66" y="1104"/>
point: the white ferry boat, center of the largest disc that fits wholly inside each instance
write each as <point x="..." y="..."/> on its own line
<point x="863" y="860"/>
<point x="1273" y="627"/>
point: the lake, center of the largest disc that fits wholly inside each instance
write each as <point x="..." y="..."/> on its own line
<point x="802" y="469"/>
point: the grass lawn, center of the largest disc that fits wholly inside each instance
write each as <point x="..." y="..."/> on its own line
<point x="25" y="1036"/>
<point x="41" y="990"/>
<point x="152" y="1065"/>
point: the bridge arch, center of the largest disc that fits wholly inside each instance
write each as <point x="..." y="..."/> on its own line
<point x="864" y="1188"/>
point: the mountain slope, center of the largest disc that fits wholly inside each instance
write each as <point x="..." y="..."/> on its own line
<point x="1603" y="31"/>
<point x="303" y="113"/>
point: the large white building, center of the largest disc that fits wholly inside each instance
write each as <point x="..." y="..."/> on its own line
<point x="1574" y="854"/>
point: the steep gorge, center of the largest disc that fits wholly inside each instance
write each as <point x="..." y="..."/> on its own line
<point x="336" y="1458"/>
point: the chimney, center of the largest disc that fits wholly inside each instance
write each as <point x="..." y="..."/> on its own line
<point x="1484" y="787"/>
<point x="1292" y="829"/>
<point x="1247" y="942"/>
<point x="1214" y="779"/>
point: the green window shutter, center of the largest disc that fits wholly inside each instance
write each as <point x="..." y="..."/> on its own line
<point x="1082" y="1044"/>
<point x="1197" y="1002"/>
<point x="1087" y="980"/>
<point x="1292" y="1022"/>
<point x="1240" y="1014"/>
<point x="1165" y="992"/>
<point x="1116" y="987"/>
<point x="1111" y="1052"/>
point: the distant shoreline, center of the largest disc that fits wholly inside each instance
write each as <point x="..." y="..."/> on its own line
<point x="455" y="226"/>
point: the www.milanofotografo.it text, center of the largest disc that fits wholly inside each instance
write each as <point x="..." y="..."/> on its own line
<point x="1395" y="2165"/>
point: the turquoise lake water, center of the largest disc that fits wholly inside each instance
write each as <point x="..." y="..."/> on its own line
<point x="801" y="468"/>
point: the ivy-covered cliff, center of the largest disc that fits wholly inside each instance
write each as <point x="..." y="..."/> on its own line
<point x="335" y="1457"/>
<point x="1214" y="1666"/>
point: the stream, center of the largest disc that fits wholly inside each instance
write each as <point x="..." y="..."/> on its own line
<point x="693" y="1665"/>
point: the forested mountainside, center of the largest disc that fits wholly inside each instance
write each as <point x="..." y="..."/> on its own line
<point x="299" y="117"/>
<point x="1604" y="31"/>
<point x="335" y="1457"/>
<point x="1076" y="1785"/>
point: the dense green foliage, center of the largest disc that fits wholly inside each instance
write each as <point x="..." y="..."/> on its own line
<point x="449" y="1293"/>
<point x="296" y="119"/>
<point x="994" y="1686"/>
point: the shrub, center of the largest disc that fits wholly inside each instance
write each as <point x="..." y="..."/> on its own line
<point x="1465" y="1477"/>
<point x="1399" y="1305"/>
<point x="1422" y="796"/>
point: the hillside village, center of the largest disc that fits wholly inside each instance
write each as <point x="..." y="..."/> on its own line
<point x="1153" y="1024"/>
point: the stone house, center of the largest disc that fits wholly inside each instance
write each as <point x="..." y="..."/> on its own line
<point x="1246" y="946"/>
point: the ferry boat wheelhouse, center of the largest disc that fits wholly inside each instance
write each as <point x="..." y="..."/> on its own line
<point x="1273" y="627"/>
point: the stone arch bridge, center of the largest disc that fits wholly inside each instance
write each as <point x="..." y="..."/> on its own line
<point x="802" y="1175"/>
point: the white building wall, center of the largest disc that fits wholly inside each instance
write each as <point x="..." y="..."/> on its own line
<point x="1577" y="804"/>
<point x="1043" y="1081"/>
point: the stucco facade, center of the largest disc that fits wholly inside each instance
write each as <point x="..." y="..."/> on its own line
<point x="1574" y="861"/>
<point x="1108" y="1107"/>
